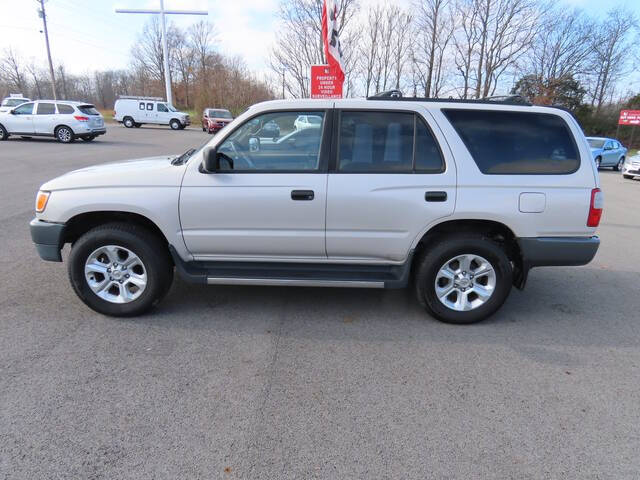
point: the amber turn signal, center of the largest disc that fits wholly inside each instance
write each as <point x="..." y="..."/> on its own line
<point x="41" y="201"/>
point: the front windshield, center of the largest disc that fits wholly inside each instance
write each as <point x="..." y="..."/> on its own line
<point x="595" y="142"/>
<point x="13" y="102"/>
<point x="220" y="114"/>
<point x="172" y="108"/>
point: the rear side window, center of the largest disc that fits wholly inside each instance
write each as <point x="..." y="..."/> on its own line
<point x="65" y="109"/>
<point x="516" y="143"/>
<point x="46" y="109"/>
<point x="141" y="106"/>
<point x="393" y="142"/>
<point x="149" y="106"/>
<point x="376" y="142"/>
<point x="88" y="110"/>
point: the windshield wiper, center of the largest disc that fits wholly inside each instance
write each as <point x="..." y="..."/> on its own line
<point x="183" y="158"/>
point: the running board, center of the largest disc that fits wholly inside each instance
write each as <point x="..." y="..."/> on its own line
<point x="292" y="282"/>
<point x="293" y="274"/>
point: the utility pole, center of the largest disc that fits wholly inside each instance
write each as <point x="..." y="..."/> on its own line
<point x="165" y="49"/>
<point x="43" y="14"/>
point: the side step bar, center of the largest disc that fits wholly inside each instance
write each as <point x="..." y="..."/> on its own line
<point x="293" y="282"/>
<point x="293" y="274"/>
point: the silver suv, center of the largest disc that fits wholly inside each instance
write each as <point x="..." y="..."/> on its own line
<point x="457" y="199"/>
<point x="64" y="120"/>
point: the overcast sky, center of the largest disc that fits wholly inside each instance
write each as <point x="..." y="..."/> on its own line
<point x="87" y="35"/>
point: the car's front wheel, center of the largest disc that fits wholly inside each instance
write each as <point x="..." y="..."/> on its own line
<point x="463" y="278"/>
<point x="3" y="133"/>
<point x="619" y="165"/>
<point x="120" y="270"/>
<point x="598" y="160"/>
<point x="64" y="134"/>
<point x="175" y="124"/>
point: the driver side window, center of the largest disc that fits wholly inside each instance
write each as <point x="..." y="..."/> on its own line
<point x="25" y="109"/>
<point x="271" y="142"/>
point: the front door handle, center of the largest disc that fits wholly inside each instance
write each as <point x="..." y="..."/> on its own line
<point x="302" y="195"/>
<point x="435" y="196"/>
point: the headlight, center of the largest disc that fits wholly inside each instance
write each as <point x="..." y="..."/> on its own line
<point x="41" y="201"/>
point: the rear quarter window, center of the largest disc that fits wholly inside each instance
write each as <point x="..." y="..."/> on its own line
<point x="516" y="143"/>
<point x="65" y="109"/>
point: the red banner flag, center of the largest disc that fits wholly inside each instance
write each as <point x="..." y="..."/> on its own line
<point x="332" y="48"/>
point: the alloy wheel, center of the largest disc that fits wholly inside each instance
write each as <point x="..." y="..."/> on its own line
<point x="115" y="274"/>
<point x="465" y="282"/>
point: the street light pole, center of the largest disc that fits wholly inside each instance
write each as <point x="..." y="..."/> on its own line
<point x="165" y="48"/>
<point x="46" y="37"/>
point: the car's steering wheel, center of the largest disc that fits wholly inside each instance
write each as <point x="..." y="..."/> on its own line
<point x="240" y="155"/>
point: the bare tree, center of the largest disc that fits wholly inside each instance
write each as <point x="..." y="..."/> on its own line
<point x="434" y="30"/>
<point x="465" y="40"/>
<point x="610" y="48"/>
<point x="299" y="45"/>
<point x="12" y="70"/>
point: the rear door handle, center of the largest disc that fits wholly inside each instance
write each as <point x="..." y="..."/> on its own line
<point x="435" y="196"/>
<point x="302" y="195"/>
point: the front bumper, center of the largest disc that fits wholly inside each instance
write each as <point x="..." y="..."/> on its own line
<point x="630" y="170"/>
<point x="48" y="238"/>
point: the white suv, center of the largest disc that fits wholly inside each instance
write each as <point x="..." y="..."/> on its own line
<point x="63" y="120"/>
<point x="458" y="199"/>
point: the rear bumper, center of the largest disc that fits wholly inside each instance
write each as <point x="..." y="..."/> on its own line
<point x="48" y="238"/>
<point x="558" y="251"/>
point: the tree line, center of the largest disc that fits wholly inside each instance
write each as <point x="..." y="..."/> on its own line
<point x="201" y="75"/>
<point x="469" y="49"/>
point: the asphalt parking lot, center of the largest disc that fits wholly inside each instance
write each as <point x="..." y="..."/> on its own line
<point x="262" y="383"/>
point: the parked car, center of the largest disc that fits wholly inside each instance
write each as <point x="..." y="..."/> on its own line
<point x="461" y="198"/>
<point x="306" y="121"/>
<point x="631" y="167"/>
<point x="13" y="100"/>
<point x="214" y="119"/>
<point x="137" y="111"/>
<point x="64" y="120"/>
<point x="607" y="152"/>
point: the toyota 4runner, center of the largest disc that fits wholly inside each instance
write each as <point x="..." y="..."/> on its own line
<point x="459" y="199"/>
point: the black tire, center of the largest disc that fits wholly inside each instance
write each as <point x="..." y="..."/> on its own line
<point x="204" y="129"/>
<point x="618" y="166"/>
<point x="148" y="247"/>
<point x="89" y="138"/>
<point x="598" y="161"/>
<point x="175" y="124"/>
<point x="65" y="134"/>
<point x="3" y="133"/>
<point x="128" y="122"/>
<point x="448" y="247"/>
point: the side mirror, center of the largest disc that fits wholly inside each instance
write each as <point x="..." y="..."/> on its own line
<point x="212" y="159"/>
<point x="254" y="144"/>
<point x="12" y="112"/>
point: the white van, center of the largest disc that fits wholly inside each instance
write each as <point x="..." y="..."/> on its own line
<point x="136" y="111"/>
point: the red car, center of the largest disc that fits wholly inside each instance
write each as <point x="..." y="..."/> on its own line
<point x="214" y="119"/>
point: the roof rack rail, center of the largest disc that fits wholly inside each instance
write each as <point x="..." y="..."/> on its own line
<point x="396" y="95"/>
<point x="135" y="97"/>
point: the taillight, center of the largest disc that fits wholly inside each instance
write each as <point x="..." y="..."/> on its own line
<point x="80" y="118"/>
<point x="595" y="209"/>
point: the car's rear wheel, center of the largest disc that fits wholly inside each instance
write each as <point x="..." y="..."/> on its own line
<point x="64" y="134"/>
<point x="120" y="269"/>
<point x="128" y="122"/>
<point x="598" y="162"/>
<point x="463" y="278"/>
<point x="619" y="165"/>
<point x="175" y="124"/>
<point x="3" y="133"/>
